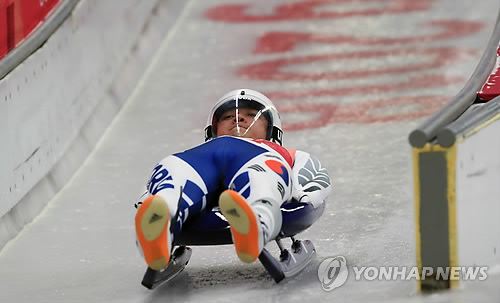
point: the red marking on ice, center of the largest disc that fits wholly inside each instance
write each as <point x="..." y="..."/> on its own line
<point x="427" y="58"/>
<point x="235" y="13"/>
<point x="423" y="81"/>
<point x="361" y="113"/>
<point x="274" y="42"/>
<point x="271" y="69"/>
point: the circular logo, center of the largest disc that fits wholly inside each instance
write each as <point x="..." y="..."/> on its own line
<point x="332" y="272"/>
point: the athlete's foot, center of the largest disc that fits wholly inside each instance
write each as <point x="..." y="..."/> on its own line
<point x="152" y="226"/>
<point x="245" y="226"/>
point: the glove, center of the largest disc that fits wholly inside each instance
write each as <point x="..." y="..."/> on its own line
<point x="313" y="197"/>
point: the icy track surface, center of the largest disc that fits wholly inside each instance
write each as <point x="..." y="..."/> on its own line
<point x="351" y="83"/>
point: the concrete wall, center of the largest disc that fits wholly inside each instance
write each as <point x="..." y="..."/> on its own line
<point x="478" y="196"/>
<point x="56" y="104"/>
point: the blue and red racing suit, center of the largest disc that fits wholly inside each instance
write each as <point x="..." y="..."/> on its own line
<point x="256" y="169"/>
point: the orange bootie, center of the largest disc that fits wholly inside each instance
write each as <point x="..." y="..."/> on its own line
<point x="152" y="226"/>
<point x="246" y="228"/>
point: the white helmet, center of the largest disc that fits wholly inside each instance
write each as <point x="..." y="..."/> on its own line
<point x="246" y="98"/>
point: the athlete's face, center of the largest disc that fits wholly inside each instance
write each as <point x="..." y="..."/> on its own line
<point x="245" y="125"/>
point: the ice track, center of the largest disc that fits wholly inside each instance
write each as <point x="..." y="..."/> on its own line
<point x="348" y="83"/>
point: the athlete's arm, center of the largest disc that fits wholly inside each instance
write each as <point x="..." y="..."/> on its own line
<point x="311" y="182"/>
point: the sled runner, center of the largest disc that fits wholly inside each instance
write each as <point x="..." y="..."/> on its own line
<point x="211" y="228"/>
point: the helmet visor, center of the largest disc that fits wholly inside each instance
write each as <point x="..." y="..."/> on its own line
<point x="242" y="118"/>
